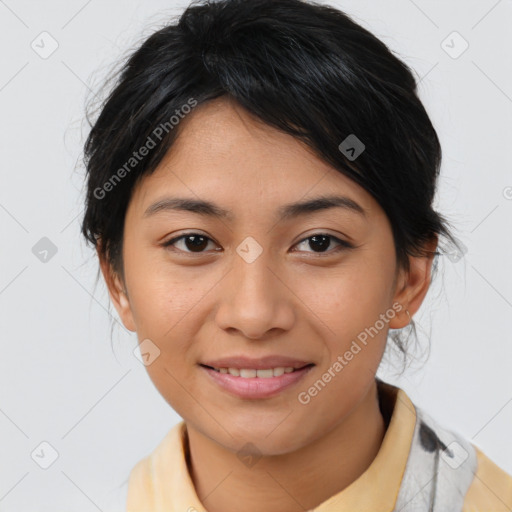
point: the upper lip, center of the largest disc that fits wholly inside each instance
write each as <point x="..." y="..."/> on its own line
<point x="240" y="362"/>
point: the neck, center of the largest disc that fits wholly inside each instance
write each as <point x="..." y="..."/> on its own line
<point x="327" y="466"/>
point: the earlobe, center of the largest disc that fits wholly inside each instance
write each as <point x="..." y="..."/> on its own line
<point x="414" y="288"/>
<point x="118" y="294"/>
<point x="122" y="305"/>
<point x="402" y="318"/>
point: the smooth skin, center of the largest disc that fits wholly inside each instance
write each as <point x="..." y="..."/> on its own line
<point x="292" y="300"/>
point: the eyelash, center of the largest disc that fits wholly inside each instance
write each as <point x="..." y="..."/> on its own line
<point x="343" y="244"/>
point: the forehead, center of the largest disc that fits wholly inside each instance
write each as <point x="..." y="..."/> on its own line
<point x="224" y="153"/>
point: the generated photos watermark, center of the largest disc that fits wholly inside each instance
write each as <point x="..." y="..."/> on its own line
<point x="151" y="142"/>
<point x="305" y="397"/>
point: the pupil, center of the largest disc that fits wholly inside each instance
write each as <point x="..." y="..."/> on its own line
<point x="324" y="244"/>
<point x="199" y="242"/>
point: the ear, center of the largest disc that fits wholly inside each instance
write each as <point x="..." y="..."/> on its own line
<point x="413" y="286"/>
<point x="117" y="292"/>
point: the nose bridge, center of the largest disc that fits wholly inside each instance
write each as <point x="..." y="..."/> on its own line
<point x="255" y="301"/>
<point x="252" y="274"/>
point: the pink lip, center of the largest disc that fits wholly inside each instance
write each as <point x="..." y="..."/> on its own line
<point x="256" y="387"/>
<point x="261" y="363"/>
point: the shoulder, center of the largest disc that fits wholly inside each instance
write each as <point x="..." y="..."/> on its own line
<point x="155" y="476"/>
<point x="445" y="471"/>
<point x="484" y="486"/>
<point x="490" y="489"/>
<point x="140" y="487"/>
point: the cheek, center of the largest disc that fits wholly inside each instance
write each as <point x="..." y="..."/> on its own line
<point x="162" y="294"/>
<point x="354" y="310"/>
<point x="348" y="299"/>
<point x="163" y="308"/>
<point x="352" y="304"/>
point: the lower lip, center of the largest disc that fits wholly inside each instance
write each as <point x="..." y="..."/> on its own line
<point x="256" y="387"/>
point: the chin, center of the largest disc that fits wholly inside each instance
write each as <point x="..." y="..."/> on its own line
<point x="264" y="439"/>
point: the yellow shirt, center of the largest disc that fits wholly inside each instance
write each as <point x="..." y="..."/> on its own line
<point x="161" y="482"/>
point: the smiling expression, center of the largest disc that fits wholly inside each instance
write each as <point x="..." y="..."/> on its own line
<point x="285" y="258"/>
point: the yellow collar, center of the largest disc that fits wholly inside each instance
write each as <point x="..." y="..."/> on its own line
<point x="161" y="482"/>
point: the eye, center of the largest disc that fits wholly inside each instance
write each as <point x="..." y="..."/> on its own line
<point x="197" y="243"/>
<point x="320" y="242"/>
<point x="192" y="242"/>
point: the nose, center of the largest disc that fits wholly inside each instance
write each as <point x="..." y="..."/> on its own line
<point x="255" y="300"/>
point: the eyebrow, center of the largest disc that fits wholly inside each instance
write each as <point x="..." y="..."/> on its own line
<point x="285" y="212"/>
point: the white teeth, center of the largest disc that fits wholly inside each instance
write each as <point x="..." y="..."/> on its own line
<point x="246" y="374"/>
<point x="265" y="374"/>
<point x="249" y="373"/>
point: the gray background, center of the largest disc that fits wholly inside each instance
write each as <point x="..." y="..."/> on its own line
<point x="60" y="380"/>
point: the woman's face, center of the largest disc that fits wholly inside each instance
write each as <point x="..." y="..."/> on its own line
<point x="254" y="284"/>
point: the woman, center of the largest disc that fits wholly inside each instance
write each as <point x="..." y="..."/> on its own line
<point x="260" y="189"/>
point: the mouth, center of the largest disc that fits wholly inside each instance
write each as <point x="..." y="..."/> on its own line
<point x="256" y="383"/>
<point x="263" y="373"/>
